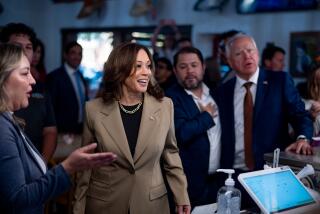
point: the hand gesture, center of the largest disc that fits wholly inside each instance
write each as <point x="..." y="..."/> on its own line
<point x="300" y="147"/>
<point x="210" y="108"/>
<point x="85" y="158"/>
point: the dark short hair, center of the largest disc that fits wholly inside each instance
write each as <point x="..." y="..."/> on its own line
<point x="117" y="69"/>
<point x="70" y="45"/>
<point x="17" y="28"/>
<point x="186" y="50"/>
<point x="269" y="51"/>
<point x="165" y="61"/>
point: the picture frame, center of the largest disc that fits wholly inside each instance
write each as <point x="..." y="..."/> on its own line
<point x="304" y="47"/>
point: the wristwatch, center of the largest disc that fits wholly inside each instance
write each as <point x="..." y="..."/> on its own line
<point x="302" y="137"/>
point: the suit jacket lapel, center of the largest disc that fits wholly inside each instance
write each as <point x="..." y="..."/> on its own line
<point x="260" y="94"/>
<point x="114" y="126"/>
<point x="26" y="140"/>
<point x="189" y="104"/>
<point x="148" y="123"/>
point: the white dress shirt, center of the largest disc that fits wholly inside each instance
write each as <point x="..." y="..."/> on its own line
<point x="238" y="101"/>
<point x="70" y="72"/>
<point x="214" y="133"/>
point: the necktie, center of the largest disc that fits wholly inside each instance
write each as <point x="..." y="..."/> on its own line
<point x="80" y="94"/>
<point x="247" y="119"/>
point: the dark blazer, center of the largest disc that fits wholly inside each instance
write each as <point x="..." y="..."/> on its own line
<point x="64" y="100"/>
<point x="23" y="186"/>
<point x="277" y="103"/>
<point x="191" y="127"/>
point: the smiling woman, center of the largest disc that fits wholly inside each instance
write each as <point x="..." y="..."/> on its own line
<point x="131" y="110"/>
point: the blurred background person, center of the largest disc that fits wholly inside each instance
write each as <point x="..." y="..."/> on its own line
<point x="38" y="69"/>
<point x="273" y="58"/>
<point x="171" y="35"/>
<point x="212" y="75"/>
<point x="164" y="73"/>
<point x="69" y="91"/>
<point x="26" y="183"/>
<point x="134" y="120"/>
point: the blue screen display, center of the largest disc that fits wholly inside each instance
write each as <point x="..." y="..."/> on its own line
<point x="279" y="191"/>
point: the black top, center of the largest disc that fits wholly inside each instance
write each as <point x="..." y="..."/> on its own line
<point x="131" y="124"/>
<point x="38" y="115"/>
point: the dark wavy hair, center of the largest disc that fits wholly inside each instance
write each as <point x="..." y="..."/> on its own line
<point x="40" y="66"/>
<point x="118" y="68"/>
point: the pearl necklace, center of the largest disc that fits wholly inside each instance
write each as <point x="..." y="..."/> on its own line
<point x="128" y="111"/>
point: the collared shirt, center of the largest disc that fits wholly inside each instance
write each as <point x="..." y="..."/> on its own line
<point x="71" y="73"/>
<point x="238" y="101"/>
<point x="214" y="133"/>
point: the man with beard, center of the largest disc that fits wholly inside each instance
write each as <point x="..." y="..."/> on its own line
<point x="197" y="126"/>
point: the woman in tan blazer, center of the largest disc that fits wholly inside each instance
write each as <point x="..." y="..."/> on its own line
<point x="134" y="120"/>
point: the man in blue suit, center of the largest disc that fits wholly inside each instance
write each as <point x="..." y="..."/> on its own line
<point x="275" y="101"/>
<point x="68" y="91"/>
<point x="197" y="126"/>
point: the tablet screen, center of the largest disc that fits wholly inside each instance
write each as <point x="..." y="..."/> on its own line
<point x="279" y="191"/>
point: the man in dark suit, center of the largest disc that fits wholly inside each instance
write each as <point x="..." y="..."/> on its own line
<point x="255" y="109"/>
<point x="197" y="126"/>
<point x="68" y="91"/>
<point x="275" y="104"/>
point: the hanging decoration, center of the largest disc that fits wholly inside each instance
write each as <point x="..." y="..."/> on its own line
<point x="207" y="5"/>
<point x="144" y="7"/>
<point x="91" y="6"/>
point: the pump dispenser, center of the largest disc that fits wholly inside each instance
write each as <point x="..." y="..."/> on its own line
<point x="229" y="197"/>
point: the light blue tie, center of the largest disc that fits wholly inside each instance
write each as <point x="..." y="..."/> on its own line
<point x="81" y="95"/>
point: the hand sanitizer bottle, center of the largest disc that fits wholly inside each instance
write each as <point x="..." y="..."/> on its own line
<point x="229" y="197"/>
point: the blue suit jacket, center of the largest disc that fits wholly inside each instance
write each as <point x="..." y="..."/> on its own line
<point x="277" y="103"/>
<point x="64" y="100"/>
<point x="23" y="186"/>
<point x="191" y="127"/>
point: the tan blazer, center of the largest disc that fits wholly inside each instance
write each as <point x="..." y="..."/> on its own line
<point x="134" y="184"/>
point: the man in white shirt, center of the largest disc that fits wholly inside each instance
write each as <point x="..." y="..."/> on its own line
<point x="197" y="126"/>
<point x="69" y="91"/>
<point x="255" y="109"/>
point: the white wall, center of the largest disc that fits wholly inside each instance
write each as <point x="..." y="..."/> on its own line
<point x="48" y="18"/>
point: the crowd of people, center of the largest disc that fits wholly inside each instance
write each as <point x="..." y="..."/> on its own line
<point x="153" y="138"/>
